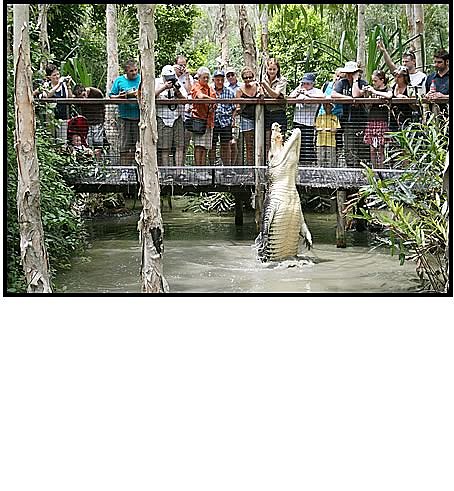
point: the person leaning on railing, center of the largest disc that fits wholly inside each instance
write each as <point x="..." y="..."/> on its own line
<point x="204" y="112"/>
<point x="274" y="86"/>
<point x="249" y="89"/>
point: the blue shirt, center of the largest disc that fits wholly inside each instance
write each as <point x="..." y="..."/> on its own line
<point x="122" y="83"/>
<point x="441" y="83"/>
<point x="223" y="113"/>
<point x="337" y="110"/>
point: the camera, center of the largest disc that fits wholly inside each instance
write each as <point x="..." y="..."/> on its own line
<point x="174" y="80"/>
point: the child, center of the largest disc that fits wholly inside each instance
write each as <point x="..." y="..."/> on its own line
<point x="326" y="126"/>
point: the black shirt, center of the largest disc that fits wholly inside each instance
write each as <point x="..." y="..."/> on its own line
<point x="352" y="113"/>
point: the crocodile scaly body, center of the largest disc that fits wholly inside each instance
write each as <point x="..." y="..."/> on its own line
<point x="283" y="222"/>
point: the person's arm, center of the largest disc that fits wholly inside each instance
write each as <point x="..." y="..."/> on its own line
<point x="386" y="56"/>
<point x="356" y="89"/>
<point x="161" y="87"/>
<point x="115" y="92"/>
<point x="279" y="91"/>
<point x="336" y="94"/>
<point x="68" y="88"/>
<point x="297" y="91"/>
<point x="385" y="95"/>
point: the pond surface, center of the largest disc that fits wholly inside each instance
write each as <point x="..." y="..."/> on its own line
<point x="208" y="253"/>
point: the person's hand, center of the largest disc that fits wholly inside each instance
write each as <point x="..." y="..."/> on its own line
<point x="380" y="45"/>
<point x="168" y="85"/>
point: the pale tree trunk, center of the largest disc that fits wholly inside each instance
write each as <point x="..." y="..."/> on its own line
<point x="247" y="37"/>
<point x="361" y="48"/>
<point x="410" y="12"/>
<point x="419" y="41"/>
<point x="43" y="36"/>
<point x="33" y="251"/>
<point x="150" y="225"/>
<point x="111" y="112"/>
<point x="222" y="26"/>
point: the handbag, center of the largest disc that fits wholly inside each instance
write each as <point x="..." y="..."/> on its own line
<point x="198" y="126"/>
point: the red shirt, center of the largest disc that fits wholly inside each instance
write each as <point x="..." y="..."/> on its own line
<point x="202" y="111"/>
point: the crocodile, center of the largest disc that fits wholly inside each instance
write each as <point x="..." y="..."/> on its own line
<point x="283" y="223"/>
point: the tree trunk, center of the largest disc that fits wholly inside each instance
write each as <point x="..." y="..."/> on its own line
<point x="247" y="38"/>
<point x="410" y="12"/>
<point x="151" y="230"/>
<point x="111" y="112"/>
<point x="419" y="41"/>
<point x="223" y="37"/>
<point x="43" y="36"/>
<point x="33" y="251"/>
<point x="361" y="48"/>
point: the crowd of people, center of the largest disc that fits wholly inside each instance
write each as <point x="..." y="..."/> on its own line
<point x="331" y="124"/>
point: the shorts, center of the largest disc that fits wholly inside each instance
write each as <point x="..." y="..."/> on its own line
<point x="224" y="134"/>
<point x="204" y="140"/>
<point x="375" y="133"/>
<point x="95" y="135"/>
<point x="246" y="124"/>
<point x="129" y="134"/>
<point x="170" y="136"/>
<point x="326" y="156"/>
<point x="276" y="117"/>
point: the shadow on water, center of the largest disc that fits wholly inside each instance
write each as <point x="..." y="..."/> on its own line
<point x="209" y="253"/>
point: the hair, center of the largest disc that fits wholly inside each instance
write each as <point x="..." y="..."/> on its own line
<point x="202" y="71"/>
<point x="175" y="62"/>
<point x="409" y="54"/>
<point x="402" y="70"/>
<point x="247" y="69"/>
<point x="273" y="61"/>
<point x="442" y="53"/>
<point x="381" y="75"/>
<point x="50" y="69"/>
<point x="130" y="63"/>
<point x="78" y="89"/>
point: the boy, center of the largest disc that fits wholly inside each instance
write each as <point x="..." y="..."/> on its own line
<point x="326" y="126"/>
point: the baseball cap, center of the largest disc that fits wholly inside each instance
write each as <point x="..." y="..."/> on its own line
<point x="309" y="77"/>
<point x="218" y="73"/>
<point x="230" y="70"/>
<point x="168" y="70"/>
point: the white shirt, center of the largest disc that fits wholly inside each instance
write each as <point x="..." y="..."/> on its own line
<point x="171" y="112"/>
<point x="305" y="113"/>
<point x="418" y="80"/>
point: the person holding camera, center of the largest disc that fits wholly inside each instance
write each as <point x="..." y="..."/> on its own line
<point x="124" y="87"/>
<point x="57" y="86"/>
<point x="170" y="116"/>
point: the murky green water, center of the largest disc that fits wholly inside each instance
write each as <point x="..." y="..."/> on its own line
<point x="209" y="253"/>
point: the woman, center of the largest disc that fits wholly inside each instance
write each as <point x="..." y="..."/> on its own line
<point x="401" y="113"/>
<point x="249" y="89"/>
<point x="274" y="86"/>
<point x="58" y="87"/>
<point x="201" y="90"/>
<point x="377" y="125"/>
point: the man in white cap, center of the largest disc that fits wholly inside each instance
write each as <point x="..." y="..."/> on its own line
<point x="354" y="116"/>
<point x="170" y="116"/>
<point x="232" y="84"/>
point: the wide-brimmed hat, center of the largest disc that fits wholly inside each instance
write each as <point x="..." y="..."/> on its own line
<point x="350" y="67"/>
<point x="309" y="77"/>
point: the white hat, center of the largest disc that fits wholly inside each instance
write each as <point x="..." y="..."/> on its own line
<point x="350" y="67"/>
<point x="167" y="70"/>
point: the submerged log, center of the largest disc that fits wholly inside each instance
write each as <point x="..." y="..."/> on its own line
<point x="341" y="238"/>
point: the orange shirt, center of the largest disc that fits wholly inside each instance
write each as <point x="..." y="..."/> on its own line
<point x="202" y="111"/>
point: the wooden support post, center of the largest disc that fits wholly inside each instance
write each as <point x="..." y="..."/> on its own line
<point x="341" y="239"/>
<point x="259" y="161"/>
<point x="238" y="209"/>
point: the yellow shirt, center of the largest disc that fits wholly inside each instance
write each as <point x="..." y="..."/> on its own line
<point x="323" y="122"/>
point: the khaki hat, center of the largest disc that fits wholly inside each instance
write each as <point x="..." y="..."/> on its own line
<point x="230" y="70"/>
<point x="350" y="67"/>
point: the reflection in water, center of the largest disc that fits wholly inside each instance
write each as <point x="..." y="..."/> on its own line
<point x="210" y="254"/>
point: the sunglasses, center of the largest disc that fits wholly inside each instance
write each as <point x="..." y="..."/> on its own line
<point x="248" y="78"/>
<point x="230" y="75"/>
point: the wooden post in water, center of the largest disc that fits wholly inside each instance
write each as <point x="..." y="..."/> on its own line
<point x="259" y="161"/>
<point x="341" y="239"/>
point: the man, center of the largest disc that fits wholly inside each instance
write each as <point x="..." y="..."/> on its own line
<point x="223" y="118"/>
<point x="126" y="86"/>
<point x="170" y="116"/>
<point x="94" y="113"/>
<point x="353" y="119"/>
<point x="304" y="117"/>
<point x="440" y="77"/>
<point x="417" y="78"/>
<point x="186" y="81"/>
<point x="233" y="84"/>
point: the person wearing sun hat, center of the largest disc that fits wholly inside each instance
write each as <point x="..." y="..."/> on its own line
<point x="354" y="116"/>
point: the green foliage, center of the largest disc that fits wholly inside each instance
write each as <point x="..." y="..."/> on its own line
<point x="78" y="70"/>
<point x="413" y="209"/>
<point x="63" y="227"/>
